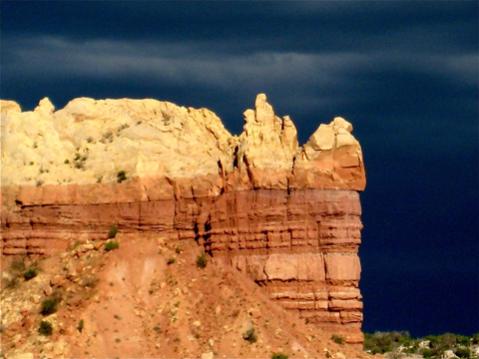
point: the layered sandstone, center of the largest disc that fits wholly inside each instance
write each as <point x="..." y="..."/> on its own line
<point x="288" y="215"/>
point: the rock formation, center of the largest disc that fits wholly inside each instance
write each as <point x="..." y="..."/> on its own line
<point x="288" y="215"/>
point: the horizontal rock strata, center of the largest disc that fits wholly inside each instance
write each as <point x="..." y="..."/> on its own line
<point x="287" y="215"/>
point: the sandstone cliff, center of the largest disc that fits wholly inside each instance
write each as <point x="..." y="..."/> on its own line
<point x="91" y="141"/>
<point x="285" y="214"/>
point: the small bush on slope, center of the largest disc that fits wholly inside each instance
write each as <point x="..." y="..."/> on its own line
<point x="45" y="328"/>
<point x="30" y="273"/>
<point x="201" y="260"/>
<point x="250" y="336"/>
<point x="49" y="306"/>
<point x="113" y="231"/>
<point x="338" y="339"/>
<point x="121" y="176"/>
<point x="111" y="245"/>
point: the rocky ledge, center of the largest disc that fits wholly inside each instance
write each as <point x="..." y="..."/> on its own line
<point x="288" y="215"/>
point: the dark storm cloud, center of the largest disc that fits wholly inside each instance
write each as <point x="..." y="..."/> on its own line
<point x="262" y="25"/>
<point x="406" y="73"/>
<point x="284" y="47"/>
<point x="282" y="73"/>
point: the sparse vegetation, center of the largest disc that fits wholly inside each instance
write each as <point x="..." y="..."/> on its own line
<point x="382" y="342"/>
<point x="338" y="339"/>
<point x="250" y="336"/>
<point x="201" y="260"/>
<point x="463" y="352"/>
<point x="45" y="328"/>
<point x="113" y="231"/>
<point x="79" y="161"/>
<point x="81" y="325"/>
<point x="107" y="137"/>
<point x="121" y="176"/>
<point x="30" y="273"/>
<point x="171" y="260"/>
<point x="49" y="306"/>
<point x="111" y="245"/>
<point x="16" y="270"/>
<point x="279" y="356"/>
<point x="431" y="346"/>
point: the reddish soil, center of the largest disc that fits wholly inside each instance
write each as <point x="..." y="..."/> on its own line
<point x="149" y="299"/>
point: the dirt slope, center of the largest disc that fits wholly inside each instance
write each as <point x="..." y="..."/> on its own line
<point x="148" y="299"/>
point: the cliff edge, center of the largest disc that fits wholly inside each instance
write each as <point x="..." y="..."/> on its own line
<point x="93" y="142"/>
<point x="286" y="215"/>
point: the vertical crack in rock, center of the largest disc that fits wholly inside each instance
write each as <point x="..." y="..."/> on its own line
<point x="207" y="243"/>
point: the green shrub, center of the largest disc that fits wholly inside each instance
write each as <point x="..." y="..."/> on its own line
<point x="440" y="343"/>
<point x="171" y="260"/>
<point x="338" y="339"/>
<point x="463" y="340"/>
<point x="111" y="245"/>
<point x="250" y="336"/>
<point x="30" y="273"/>
<point x="389" y="342"/>
<point x="201" y="260"/>
<point x="49" y="306"/>
<point x="45" y="328"/>
<point x="112" y="232"/>
<point x="81" y="325"/>
<point x="279" y="356"/>
<point x="121" y="176"/>
<point x="463" y="352"/>
<point x="383" y="342"/>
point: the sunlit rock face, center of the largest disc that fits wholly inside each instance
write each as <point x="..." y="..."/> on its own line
<point x="288" y="215"/>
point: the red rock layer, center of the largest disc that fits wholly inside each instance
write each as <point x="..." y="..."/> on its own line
<point x="301" y="245"/>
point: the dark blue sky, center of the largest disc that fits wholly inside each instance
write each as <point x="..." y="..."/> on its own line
<point x="405" y="73"/>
